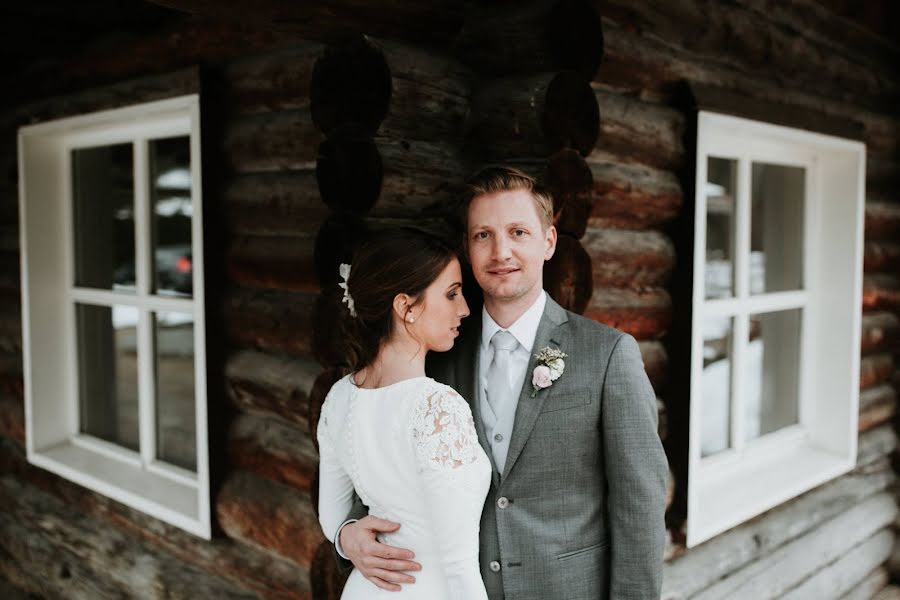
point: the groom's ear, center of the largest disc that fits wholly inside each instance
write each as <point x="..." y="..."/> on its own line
<point x="550" y="237"/>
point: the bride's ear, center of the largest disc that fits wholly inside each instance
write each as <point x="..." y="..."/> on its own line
<point x="403" y="307"/>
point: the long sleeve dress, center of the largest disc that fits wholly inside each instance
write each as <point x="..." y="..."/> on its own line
<point x="411" y="453"/>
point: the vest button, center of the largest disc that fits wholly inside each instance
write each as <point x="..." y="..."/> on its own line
<point x="502" y="502"/>
<point x="494" y="566"/>
<point x="497" y="438"/>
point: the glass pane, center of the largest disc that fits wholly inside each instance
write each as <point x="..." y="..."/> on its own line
<point x="175" y="422"/>
<point x="776" y="236"/>
<point x="103" y="215"/>
<point x="721" y="186"/>
<point x="107" y="372"/>
<point x="716" y="403"/>
<point x="773" y="367"/>
<point x="170" y="197"/>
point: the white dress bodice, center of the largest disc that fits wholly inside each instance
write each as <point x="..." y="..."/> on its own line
<point x="411" y="453"/>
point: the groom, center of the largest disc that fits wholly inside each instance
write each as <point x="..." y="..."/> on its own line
<point x="577" y="501"/>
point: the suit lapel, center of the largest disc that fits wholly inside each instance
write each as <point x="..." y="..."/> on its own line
<point x="549" y="333"/>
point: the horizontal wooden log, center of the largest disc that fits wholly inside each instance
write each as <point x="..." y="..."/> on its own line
<point x="62" y="553"/>
<point x="875" y="369"/>
<point x="568" y="276"/>
<point x="751" y="46"/>
<point x="388" y="176"/>
<point x="624" y="258"/>
<point x="279" y="141"/>
<point x="823" y="24"/>
<point x="267" y="575"/>
<point x="868" y="587"/>
<point x="285" y="203"/>
<point x="882" y="176"/>
<point x="430" y="93"/>
<point x="747" y="543"/>
<point x="336" y="19"/>
<point x="274" y="81"/>
<point x="272" y="449"/>
<point x="656" y="362"/>
<point x="273" y="262"/>
<point x="844" y="574"/>
<point x="882" y="221"/>
<point x="542" y="35"/>
<point x="270" y="320"/>
<point x="877" y="405"/>
<point x="881" y="292"/>
<point x="632" y="196"/>
<point x="784" y="568"/>
<point x="262" y="384"/>
<point x="395" y="89"/>
<point x="327" y="581"/>
<point x="644" y="313"/>
<point x="269" y="516"/>
<point x="642" y="132"/>
<point x="649" y="68"/>
<point x="881" y="256"/>
<point x="880" y="332"/>
<point x="12" y="418"/>
<point x="533" y="116"/>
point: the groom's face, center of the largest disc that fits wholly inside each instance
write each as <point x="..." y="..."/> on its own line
<point x="507" y="244"/>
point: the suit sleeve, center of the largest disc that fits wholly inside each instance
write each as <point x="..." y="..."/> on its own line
<point x="637" y="471"/>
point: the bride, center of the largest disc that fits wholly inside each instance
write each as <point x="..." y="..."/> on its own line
<point x="404" y="443"/>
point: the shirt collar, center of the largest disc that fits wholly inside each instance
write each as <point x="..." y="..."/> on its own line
<point x="524" y="329"/>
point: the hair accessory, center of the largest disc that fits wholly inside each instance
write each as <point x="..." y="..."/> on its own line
<point x="348" y="299"/>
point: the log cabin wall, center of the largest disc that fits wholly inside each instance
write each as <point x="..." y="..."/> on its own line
<point x="322" y="135"/>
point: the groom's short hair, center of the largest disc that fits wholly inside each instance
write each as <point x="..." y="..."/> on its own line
<point x="501" y="178"/>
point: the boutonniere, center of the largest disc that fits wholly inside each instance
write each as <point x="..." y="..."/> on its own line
<point x="550" y="366"/>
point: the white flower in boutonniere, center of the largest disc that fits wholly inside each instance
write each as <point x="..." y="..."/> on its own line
<point x="550" y="366"/>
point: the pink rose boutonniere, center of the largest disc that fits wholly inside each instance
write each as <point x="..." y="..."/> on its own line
<point x="550" y="366"/>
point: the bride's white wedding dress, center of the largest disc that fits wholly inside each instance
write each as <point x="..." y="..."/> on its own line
<point x="411" y="453"/>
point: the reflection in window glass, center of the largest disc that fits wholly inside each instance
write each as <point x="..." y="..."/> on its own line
<point x="776" y="236"/>
<point x="716" y="394"/>
<point x="773" y="366"/>
<point x="107" y="372"/>
<point x="103" y="217"/>
<point x="721" y="197"/>
<point x="175" y="416"/>
<point x="170" y="197"/>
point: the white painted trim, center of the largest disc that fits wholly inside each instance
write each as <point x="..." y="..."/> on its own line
<point x="736" y="484"/>
<point x="113" y="298"/>
<point x="53" y="437"/>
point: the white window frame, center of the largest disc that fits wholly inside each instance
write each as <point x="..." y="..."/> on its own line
<point x="53" y="439"/>
<point x="732" y="486"/>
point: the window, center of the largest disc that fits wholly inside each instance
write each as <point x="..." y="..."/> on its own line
<point x="113" y="313"/>
<point x="777" y="312"/>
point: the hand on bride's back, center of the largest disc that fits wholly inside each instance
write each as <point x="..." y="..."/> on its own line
<point x="381" y="564"/>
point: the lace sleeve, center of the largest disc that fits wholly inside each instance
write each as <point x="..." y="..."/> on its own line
<point x="444" y="431"/>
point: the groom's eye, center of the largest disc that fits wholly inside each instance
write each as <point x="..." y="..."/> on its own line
<point x="519" y="232"/>
<point x="481" y="235"/>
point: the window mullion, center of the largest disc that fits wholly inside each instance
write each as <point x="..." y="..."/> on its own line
<point x="742" y="291"/>
<point x="143" y="271"/>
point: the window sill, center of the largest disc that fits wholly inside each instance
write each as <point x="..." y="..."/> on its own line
<point x="175" y="502"/>
<point x="728" y="497"/>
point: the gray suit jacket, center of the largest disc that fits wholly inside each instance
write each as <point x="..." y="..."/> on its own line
<point x="579" y="509"/>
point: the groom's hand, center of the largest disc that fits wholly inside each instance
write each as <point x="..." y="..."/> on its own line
<point x="381" y="564"/>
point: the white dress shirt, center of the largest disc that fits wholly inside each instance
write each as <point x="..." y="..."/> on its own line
<point x="498" y="428"/>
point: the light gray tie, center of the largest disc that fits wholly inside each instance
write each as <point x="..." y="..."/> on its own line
<point x="499" y="391"/>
